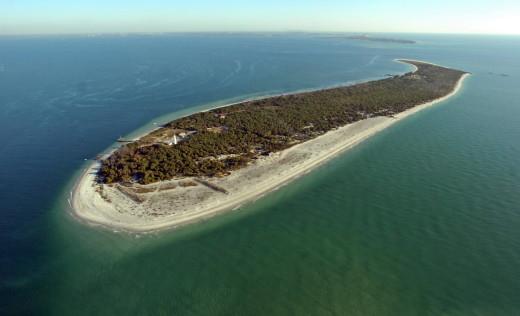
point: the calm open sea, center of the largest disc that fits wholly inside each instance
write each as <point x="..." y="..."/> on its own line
<point x="422" y="219"/>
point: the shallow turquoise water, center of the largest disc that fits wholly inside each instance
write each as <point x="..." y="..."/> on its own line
<point x="422" y="219"/>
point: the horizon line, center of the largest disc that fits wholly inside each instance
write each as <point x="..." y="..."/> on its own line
<point x="223" y="32"/>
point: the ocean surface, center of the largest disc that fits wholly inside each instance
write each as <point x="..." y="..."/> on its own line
<point x="422" y="219"/>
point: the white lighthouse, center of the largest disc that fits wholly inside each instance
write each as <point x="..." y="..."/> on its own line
<point x="172" y="141"/>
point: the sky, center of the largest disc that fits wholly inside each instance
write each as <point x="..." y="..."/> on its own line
<point x="379" y="16"/>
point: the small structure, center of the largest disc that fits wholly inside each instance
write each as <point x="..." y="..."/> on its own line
<point x="215" y="129"/>
<point x="173" y="141"/>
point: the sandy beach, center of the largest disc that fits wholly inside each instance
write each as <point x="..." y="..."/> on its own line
<point x="179" y="202"/>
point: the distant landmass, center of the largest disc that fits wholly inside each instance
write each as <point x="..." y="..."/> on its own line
<point x="381" y="39"/>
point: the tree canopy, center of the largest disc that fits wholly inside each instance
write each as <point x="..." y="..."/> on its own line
<point x="224" y="139"/>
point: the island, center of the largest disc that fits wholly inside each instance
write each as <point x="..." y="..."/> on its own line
<point x="208" y="162"/>
<point x="381" y="39"/>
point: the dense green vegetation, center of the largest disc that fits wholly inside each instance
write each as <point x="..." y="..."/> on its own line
<point x="224" y="139"/>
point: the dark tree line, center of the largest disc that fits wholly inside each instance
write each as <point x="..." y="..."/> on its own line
<point x="253" y="128"/>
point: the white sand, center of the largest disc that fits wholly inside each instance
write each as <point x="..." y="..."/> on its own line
<point x="180" y="206"/>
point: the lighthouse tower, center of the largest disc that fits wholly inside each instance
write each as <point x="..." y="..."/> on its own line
<point x="174" y="139"/>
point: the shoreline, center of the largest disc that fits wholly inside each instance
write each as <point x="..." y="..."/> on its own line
<point x="135" y="135"/>
<point x="302" y="158"/>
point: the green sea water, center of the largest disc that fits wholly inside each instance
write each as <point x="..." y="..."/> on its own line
<point x="421" y="219"/>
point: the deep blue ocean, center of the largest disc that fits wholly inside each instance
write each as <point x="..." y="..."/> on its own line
<point x="422" y="219"/>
